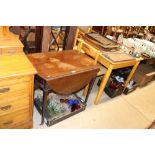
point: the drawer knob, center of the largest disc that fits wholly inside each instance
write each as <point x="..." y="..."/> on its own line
<point x="6" y="107"/>
<point x="8" y="122"/>
<point x="4" y="90"/>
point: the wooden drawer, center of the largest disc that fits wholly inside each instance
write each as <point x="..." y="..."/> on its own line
<point x="15" y="105"/>
<point x="11" y="120"/>
<point x="10" y="50"/>
<point x="24" y="125"/>
<point x="89" y="51"/>
<point x="12" y="91"/>
<point x="11" y="81"/>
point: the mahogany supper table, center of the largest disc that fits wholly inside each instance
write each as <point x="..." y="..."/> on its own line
<point x="63" y="72"/>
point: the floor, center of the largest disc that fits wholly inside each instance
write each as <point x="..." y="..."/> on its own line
<point x="135" y="110"/>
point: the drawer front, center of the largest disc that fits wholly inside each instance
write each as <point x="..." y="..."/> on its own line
<point x="12" y="81"/>
<point x="25" y="125"/>
<point x="11" y="120"/>
<point x="13" y="106"/>
<point x="11" y="50"/>
<point x="89" y="51"/>
<point x="6" y="91"/>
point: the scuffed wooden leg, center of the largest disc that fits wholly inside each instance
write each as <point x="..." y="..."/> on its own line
<point x="103" y="84"/>
<point x="45" y="94"/>
<point x="131" y="73"/>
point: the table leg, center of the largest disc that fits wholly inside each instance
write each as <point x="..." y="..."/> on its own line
<point x="103" y="84"/>
<point x="45" y="94"/>
<point x="85" y="90"/>
<point x="89" y="89"/>
<point x="131" y="73"/>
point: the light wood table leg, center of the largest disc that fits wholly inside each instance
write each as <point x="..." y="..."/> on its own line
<point x="85" y="90"/>
<point x="131" y="73"/>
<point x="103" y="84"/>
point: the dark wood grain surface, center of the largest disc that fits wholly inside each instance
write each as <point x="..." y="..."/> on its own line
<point x="65" y="72"/>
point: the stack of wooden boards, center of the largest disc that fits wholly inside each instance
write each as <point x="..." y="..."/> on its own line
<point x="108" y="47"/>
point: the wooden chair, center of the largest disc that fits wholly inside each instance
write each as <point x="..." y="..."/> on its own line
<point x="133" y="31"/>
<point x="109" y="31"/>
<point x="81" y="31"/>
<point x="83" y="47"/>
<point x="118" y="30"/>
<point x="57" y="37"/>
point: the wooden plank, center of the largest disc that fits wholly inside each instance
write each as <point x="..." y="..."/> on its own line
<point x="42" y="38"/>
<point x="38" y="39"/>
<point x="45" y="38"/>
<point x="69" y="37"/>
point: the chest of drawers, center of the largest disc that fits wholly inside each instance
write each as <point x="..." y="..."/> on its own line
<point x="16" y="91"/>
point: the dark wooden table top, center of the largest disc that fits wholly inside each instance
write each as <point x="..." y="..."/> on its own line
<point x="52" y="65"/>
